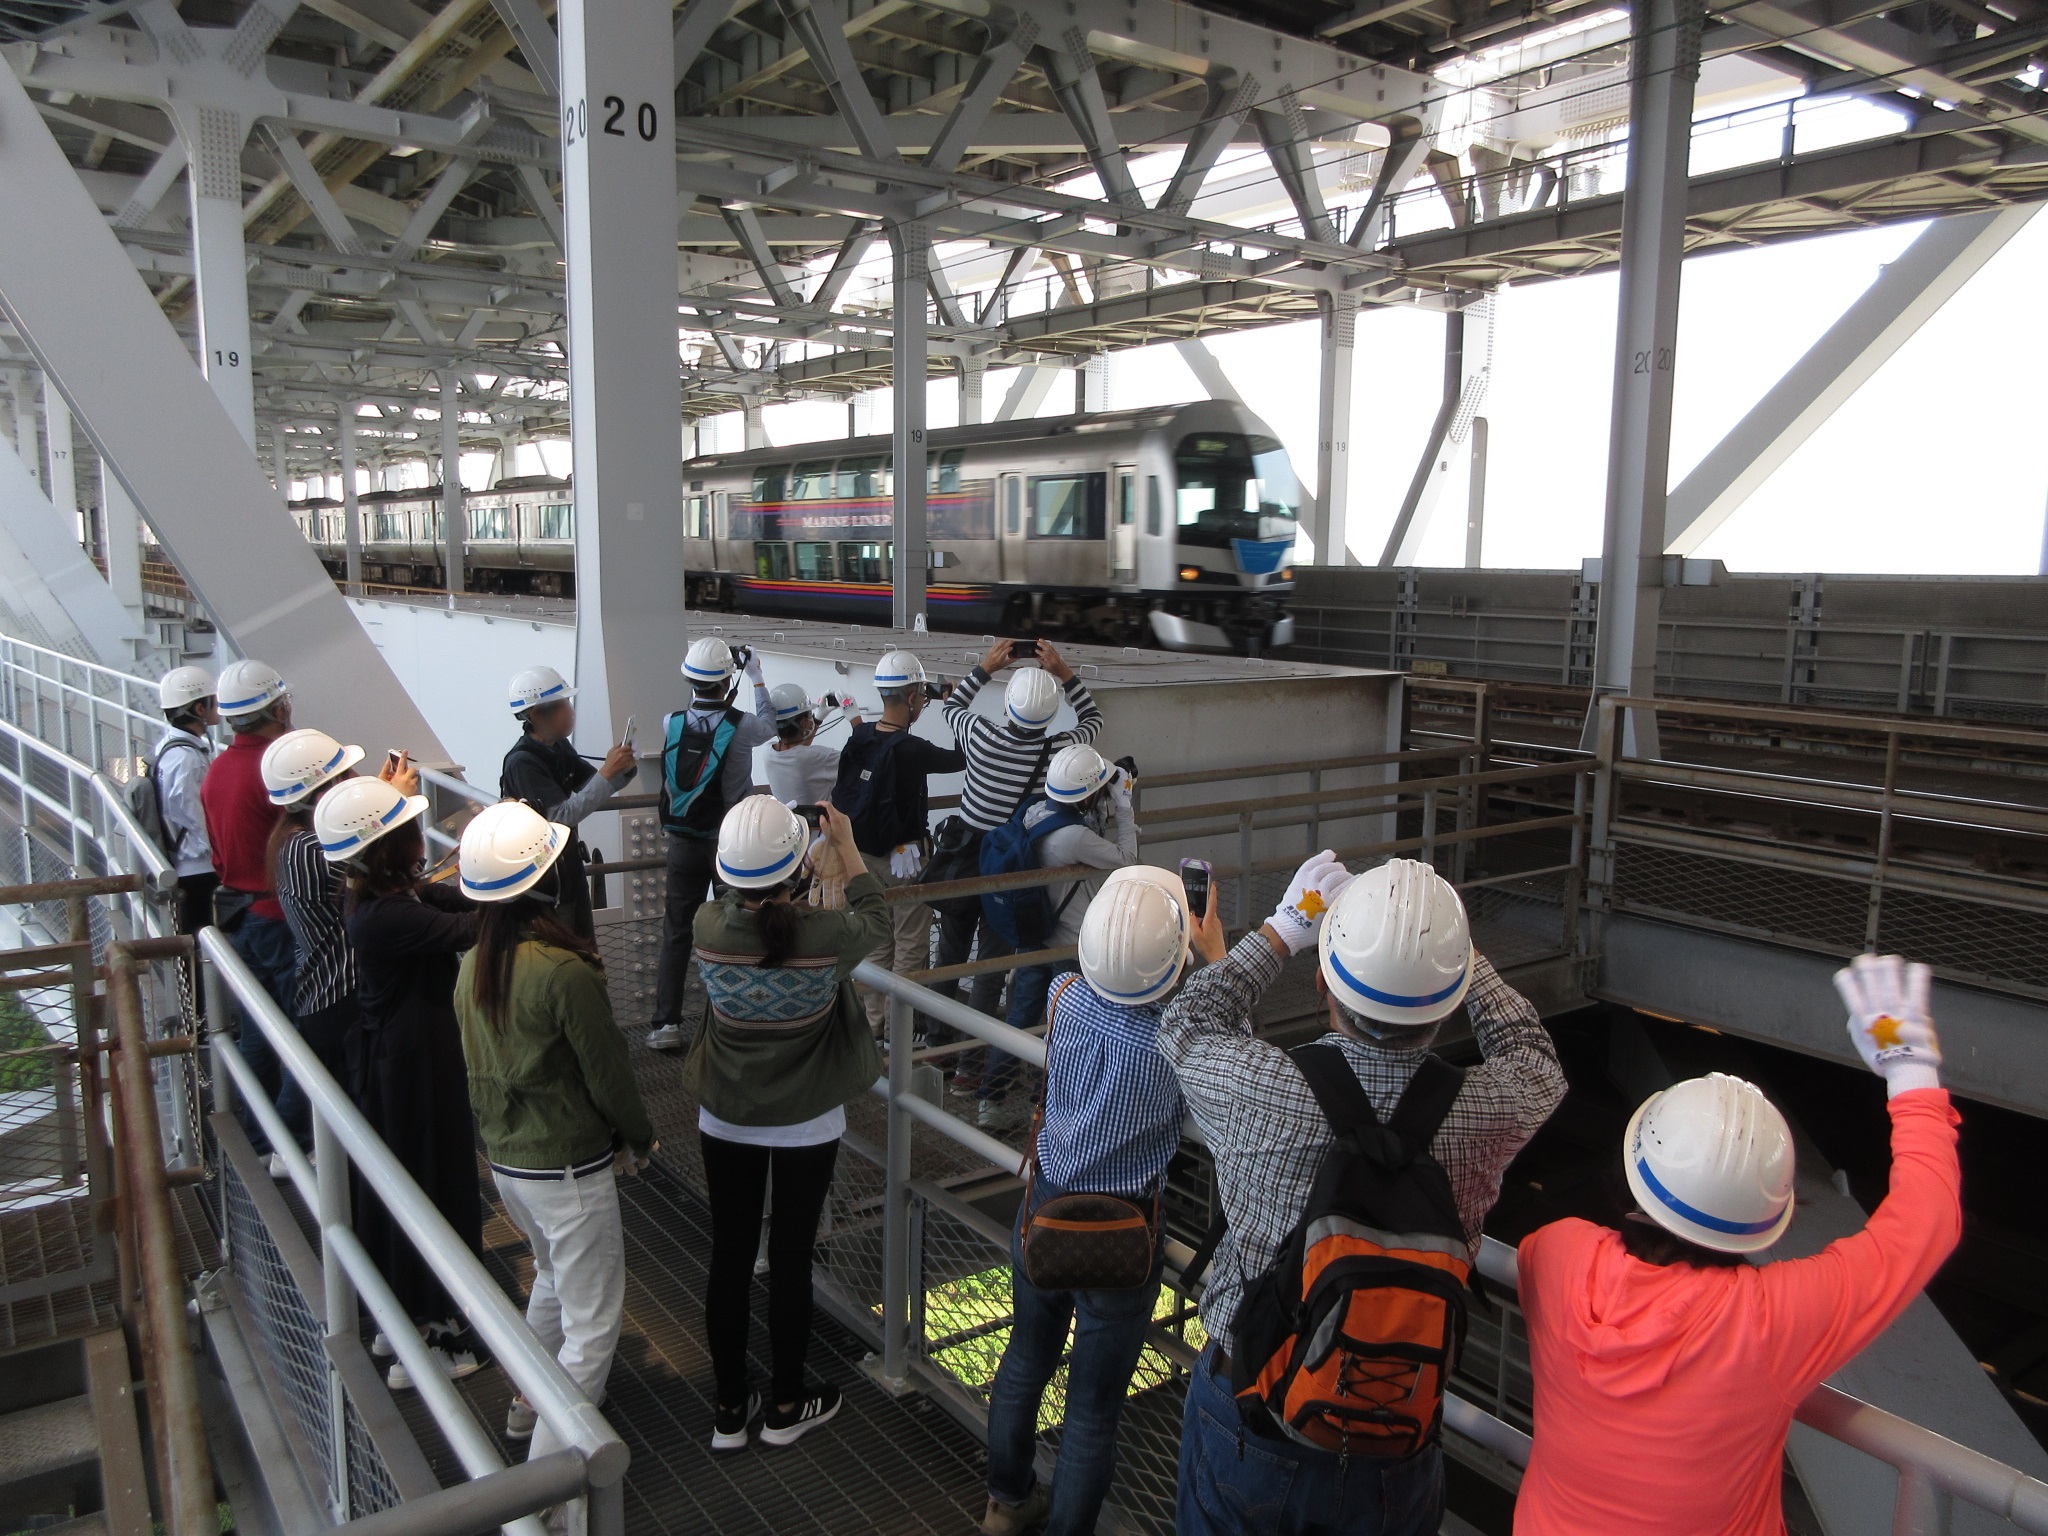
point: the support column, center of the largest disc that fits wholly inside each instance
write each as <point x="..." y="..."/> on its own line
<point x="1333" y="430"/>
<point x="625" y="391"/>
<point x="26" y="443"/>
<point x="1475" y="503"/>
<point x="750" y="417"/>
<point x="213" y="144"/>
<point x="909" y="267"/>
<point x="972" y="371"/>
<point x="1095" y="383"/>
<point x="61" y="465"/>
<point x="1666" y="51"/>
<point x="280" y="470"/>
<point x="454" y="529"/>
<point x="351" y="516"/>
<point x="121" y="533"/>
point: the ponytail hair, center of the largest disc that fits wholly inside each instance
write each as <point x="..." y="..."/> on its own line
<point x="779" y="919"/>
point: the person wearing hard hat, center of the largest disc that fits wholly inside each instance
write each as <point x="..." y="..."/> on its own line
<point x="786" y="1049"/>
<point x="1667" y="1362"/>
<point x="1006" y="763"/>
<point x="409" y="934"/>
<point x="883" y="789"/>
<point x="1395" y="959"/>
<point x="545" y="770"/>
<point x="556" y="1105"/>
<point x="801" y="769"/>
<point x="1111" y="1125"/>
<point x="176" y="769"/>
<point x="707" y="767"/>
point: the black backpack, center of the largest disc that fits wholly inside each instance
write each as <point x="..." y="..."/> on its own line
<point x="865" y="791"/>
<point x="146" y="801"/>
<point x="692" y="757"/>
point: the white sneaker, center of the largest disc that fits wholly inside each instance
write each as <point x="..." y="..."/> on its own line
<point x="520" y="1419"/>
<point x="667" y="1038"/>
<point x="280" y="1170"/>
<point x="454" y="1363"/>
<point x="381" y="1347"/>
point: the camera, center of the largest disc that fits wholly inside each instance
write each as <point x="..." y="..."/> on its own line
<point x="1023" y="650"/>
<point x="811" y="814"/>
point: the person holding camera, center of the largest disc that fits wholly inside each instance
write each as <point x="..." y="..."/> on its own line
<point x="883" y="792"/>
<point x="801" y="770"/>
<point x="786" y="1049"/>
<point x="545" y="770"/>
<point x="1109" y="1126"/>
<point x="707" y="767"/>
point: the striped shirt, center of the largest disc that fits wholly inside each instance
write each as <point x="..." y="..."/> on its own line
<point x="1005" y="763"/>
<point x="1268" y="1134"/>
<point x="1112" y="1102"/>
<point x="309" y="890"/>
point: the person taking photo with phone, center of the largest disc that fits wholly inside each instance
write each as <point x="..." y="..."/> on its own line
<point x="545" y="770"/>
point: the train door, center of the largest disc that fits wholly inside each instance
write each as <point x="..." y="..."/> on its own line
<point x="1123" y="528"/>
<point x="1010" y="528"/>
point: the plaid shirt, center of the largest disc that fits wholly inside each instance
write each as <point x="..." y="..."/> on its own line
<point x="1268" y="1135"/>
<point x="1112" y="1104"/>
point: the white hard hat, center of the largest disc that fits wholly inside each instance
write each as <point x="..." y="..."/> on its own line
<point x="1396" y="947"/>
<point x="183" y="686"/>
<point x="789" y="700"/>
<point x="761" y="843"/>
<point x="299" y="762"/>
<point x="1135" y="935"/>
<point x="708" y="661"/>
<point x="537" y="686"/>
<point x="1075" y="773"/>
<point x="1032" y="698"/>
<point x="359" y="812"/>
<point x="899" y="669"/>
<point x="249" y="688"/>
<point x="506" y="848"/>
<point x="1710" y="1160"/>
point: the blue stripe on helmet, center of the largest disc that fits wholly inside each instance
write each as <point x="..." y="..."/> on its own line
<point x="1393" y="999"/>
<point x="347" y="842"/>
<point x="1678" y="1207"/>
<point x="754" y="874"/>
<point x="498" y="885"/>
<point x="549" y="693"/>
<point x="253" y="699"/>
<point x="324" y="769"/>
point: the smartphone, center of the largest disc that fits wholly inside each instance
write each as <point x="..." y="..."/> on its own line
<point x="1023" y="650"/>
<point x="1198" y="875"/>
<point x="396" y="758"/>
<point x="632" y="731"/>
<point x="812" y="814"/>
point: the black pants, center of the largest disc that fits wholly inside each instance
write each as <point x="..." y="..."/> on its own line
<point x="691" y="861"/>
<point x="956" y="939"/>
<point x="195" y="901"/>
<point x="736" y="1178"/>
<point x="330" y="1032"/>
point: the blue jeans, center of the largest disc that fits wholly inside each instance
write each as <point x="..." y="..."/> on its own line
<point x="268" y="949"/>
<point x="1109" y="1332"/>
<point x="1237" y="1483"/>
<point x="1029" y="985"/>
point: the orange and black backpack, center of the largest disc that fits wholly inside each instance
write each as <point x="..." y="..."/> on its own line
<point x="1347" y="1340"/>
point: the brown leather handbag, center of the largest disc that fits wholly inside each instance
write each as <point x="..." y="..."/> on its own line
<point x="1084" y="1242"/>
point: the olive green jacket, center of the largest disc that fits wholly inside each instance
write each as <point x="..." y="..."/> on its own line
<point x="784" y="1045"/>
<point x="552" y="1088"/>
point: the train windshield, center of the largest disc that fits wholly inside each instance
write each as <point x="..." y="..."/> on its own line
<point x="1233" y="486"/>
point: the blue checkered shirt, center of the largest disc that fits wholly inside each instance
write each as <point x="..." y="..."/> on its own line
<point x="1112" y="1102"/>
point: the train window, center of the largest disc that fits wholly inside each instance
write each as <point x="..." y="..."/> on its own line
<point x="1153" y="500"/>
<point x="693" y="518"/>
<point x="862" y="478"/>
<point x="944" y="473"/>
<point x="814" y="562"/>
<point x="554" y="520"/>
<point x="770" y="485"/>
<point x="490" y="523"/>
<point x="1233" y="486"/>
<point x="1013" y="507"/>
<point x="771" y="561"/>
<point x="864" y="562"/>
<point x="1067" y="506"/>
<point x="1126" y="500"/>
<point x="813" y="481"/>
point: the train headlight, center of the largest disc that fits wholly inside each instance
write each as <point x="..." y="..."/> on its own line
<point x="1288" y="574"/>
<point x="1190" y="573"/>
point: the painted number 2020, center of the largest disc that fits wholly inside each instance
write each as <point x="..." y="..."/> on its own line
<point x="1663" y="357"/>
<point x="576" y="124"/>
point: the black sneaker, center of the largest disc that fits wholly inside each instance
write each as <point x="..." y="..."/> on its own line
<point x="779" y="1428"/>
<point x="729" y="1426"/>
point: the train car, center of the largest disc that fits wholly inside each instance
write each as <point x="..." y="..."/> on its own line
<point x="521" y="536"/>
<point x="1174" y="524"/>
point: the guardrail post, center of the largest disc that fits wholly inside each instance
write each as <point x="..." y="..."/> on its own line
<point x="1428" y="848"/>
<point x="1884" y="839"/>
<point x="1244" y="868"/>
<point x="1575" y="879"/>
<point x="1315" y="811"/>
<point x="1919" y="1508"/>
<point x="896" y="1202"/>
<point x="330" y="1169"/>
<point x="1599" y="852"/>
<point x="218" y="1034"/>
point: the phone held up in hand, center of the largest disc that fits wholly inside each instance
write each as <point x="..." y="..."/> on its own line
<point x="812" y="814"/>
<point x="1023" y="650"/>
<point x="632" y="731"/>
<point x="1199" y="877"/>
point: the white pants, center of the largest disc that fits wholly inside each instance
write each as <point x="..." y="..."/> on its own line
<point x="579" y="1275"/>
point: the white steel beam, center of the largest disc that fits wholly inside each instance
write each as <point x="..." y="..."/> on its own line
<point x="76" y="300"/>
<point x="993" y="71"/>
<point x="61" y="464"/>
<point x="1027" y="392"/>
<point x="121" y="538"/>
<point x="351" y="509"/>
<point x="536" y="39"/>
<point x="909" y="273"/>
<point x="1333" y="429"/>
<point x="213" y="142"/>
<point x="454" y="526"/>
<point x="50" y="545"/>
<point x="619" y="196"/>
<point x="1906" y="295"/>
<point x="1411" y="522"/>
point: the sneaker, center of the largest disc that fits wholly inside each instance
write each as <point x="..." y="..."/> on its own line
<point x="381" y="1347"/>
<point x="729" y="1427"/>
<point x="779" y="1428"/>
<point x="454" y="1363"/>
<point x="669" y="1037"/>
<point x="1018" y="1519"/>
<point x="520" y="1419"/>
<point x="280" y="1170"/>
<point x="998" y="1115"/>
<point x="460" y="1345"/>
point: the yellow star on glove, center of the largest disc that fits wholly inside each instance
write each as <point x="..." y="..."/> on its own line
<point x="1311" y="906"/>
<point x="1884" y="1029"/>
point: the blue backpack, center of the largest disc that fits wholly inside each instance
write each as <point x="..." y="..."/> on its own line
<point x="1023" y="918"/>
<point x="692" y="797"/>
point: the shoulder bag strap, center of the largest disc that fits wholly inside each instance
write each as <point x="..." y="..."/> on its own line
<point x="1424" y="1103"/>
<point x="1341" y="1097"/>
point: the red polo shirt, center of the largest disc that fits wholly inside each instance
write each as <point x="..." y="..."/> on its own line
<point x="239" y="817"/>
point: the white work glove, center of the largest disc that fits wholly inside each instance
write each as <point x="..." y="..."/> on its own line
<point x="1120" y="784"/>
<point x="905" y="861"/>
<point x="753" y="668"/>
<point x="1316" y="887"/>
<point x="1888" y="1020"/>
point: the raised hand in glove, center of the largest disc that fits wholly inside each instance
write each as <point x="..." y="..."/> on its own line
<point x="1888" y="1020"/>
<point x="1313" y="892"/>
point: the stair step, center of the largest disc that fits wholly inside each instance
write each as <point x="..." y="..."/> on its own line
<point x="52" y="1438"/>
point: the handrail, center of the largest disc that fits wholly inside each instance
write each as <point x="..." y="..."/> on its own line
<point x="1940" y="728"/>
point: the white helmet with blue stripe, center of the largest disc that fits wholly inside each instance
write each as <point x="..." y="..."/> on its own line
<point x="249" y="688"/>
<point x="1075" y="773"/>
<point x="708" y="662"/>
<point x="1032" y="699"/>
<point x="299" y="762"/>
<point x="898" y="670"/>
<point x="1396" y="947"/>
<point x="506" y="848"/>
<point x="761" y="843"/>
<point x="354" y="815"/>
<point x="535" y="687"/>
<point x="1710" y="1160"/>
<point x="790" y="702"/>
<point x="1135" y="935"/>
